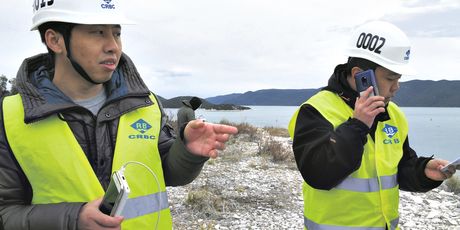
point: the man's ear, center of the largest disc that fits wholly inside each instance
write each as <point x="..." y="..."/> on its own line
<point x="54" y="41"/>
<point x="351" y="77"/>
<point x="354" y="71"/>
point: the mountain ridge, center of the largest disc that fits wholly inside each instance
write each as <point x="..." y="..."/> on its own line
<point x="414" y="93"/>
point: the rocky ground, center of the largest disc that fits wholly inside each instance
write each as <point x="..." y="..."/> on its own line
<point x="246" y="188"/>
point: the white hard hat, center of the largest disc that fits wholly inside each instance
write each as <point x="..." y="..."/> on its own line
<point x="382" y="43"/>
<point x="91" y="12"/>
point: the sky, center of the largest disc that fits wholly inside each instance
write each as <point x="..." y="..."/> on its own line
<point x="208" y="48"/>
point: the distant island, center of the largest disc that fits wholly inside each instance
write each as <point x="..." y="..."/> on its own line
<point x="176" y="102"/>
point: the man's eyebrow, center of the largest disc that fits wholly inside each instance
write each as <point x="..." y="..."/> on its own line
<point x="391" y="73"/>
<point x="394" y="75"/>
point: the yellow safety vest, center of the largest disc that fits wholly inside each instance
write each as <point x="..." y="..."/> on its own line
<point x="59" y="171"/>
<point x="369" y="197"/>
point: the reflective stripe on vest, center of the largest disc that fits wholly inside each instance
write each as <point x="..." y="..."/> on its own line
<point x="368" y="185"/>
<point x="314" y="226"/>
<point x="369" y="197"/>
<point x="143" y="205"/>
<point x="49" y="147"/>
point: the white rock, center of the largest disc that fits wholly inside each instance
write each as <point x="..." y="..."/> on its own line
<point x="255" y="193"/>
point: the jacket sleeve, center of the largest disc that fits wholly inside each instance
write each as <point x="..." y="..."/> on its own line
<point x="411" y="172"/>
<point x="180" y="167"/>
<point x="324" y="155"/>
<point x="191" y="115"/>
<point x="16" y="209"/>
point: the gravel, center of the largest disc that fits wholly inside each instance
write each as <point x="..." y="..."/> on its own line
<point x="244" y="190"/>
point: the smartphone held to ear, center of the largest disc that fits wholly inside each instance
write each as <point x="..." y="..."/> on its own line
<point x="364" y="80"/>
<point x="116" y="195"/>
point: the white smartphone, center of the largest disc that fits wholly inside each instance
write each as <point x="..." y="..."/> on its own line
<point x="116" y="195"/>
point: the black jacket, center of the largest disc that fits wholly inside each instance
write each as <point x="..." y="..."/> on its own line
<point x="96" y="135"/>
<point x="323" y="165"/>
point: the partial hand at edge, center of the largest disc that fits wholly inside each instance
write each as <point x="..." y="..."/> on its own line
<point x="433" y="170"/>
<point x="204" y="138"/>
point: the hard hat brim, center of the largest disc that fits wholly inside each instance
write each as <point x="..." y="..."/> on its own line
<point x="400" y="68"/>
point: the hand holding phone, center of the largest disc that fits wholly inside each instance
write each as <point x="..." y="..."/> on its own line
<point x="455" y="164"/>
<point x="364" y="80"/>
<point x="116" y="195"/>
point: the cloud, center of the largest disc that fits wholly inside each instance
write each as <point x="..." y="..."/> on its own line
<point x="172" y="74"/>
<point x="428" y="18"/>
<point x="215" y="47"/>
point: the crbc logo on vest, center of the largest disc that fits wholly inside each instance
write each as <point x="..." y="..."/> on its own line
<point x="390" y="131"/>
<point x="141" y="126"/>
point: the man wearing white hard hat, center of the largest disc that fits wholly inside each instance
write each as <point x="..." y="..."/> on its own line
<point x="83" y="112"/>
<point x="353" y="149"/>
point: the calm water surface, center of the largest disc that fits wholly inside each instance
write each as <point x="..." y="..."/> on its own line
<point x="431" y="130"/>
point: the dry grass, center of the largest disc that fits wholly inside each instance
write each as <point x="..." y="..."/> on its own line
<point x="266" y="146"/>
<point x="275" y="131"/>
<point x="244" y="129"/>
<point x="207" y="202"/>
<point x="275" y="149"/>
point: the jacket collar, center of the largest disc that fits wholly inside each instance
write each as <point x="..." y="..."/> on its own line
<point x="42" y="98"/>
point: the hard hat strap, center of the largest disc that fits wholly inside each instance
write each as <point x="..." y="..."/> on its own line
<point x="75" y="65"/>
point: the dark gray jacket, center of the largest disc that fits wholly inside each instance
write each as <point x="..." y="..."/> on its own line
<point x="184" y="115"/>
<point x="96" y="135"/>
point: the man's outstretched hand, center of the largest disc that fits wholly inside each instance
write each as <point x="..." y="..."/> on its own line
<point x="204" y="139"/>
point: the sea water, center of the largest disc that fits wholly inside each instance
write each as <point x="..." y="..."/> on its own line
<point x="432" y="131"/>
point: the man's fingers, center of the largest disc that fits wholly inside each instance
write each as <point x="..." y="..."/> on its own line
<point x="95" y="203"/>
<point x="108" y="221"/>
<point x="218" y="128"/>
<point x="213" y="153"/>
<point x="365" y="94"/>
<point x="222" y="137"/>
<point x="219" y="145"/>
<point x="377" y="110"/>
<point x="196" y="124"/>
<point x="375" y="100"/>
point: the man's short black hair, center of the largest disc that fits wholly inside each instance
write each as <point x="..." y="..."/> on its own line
<point x="63" y="28"/>
<point x="362" y="63"/>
